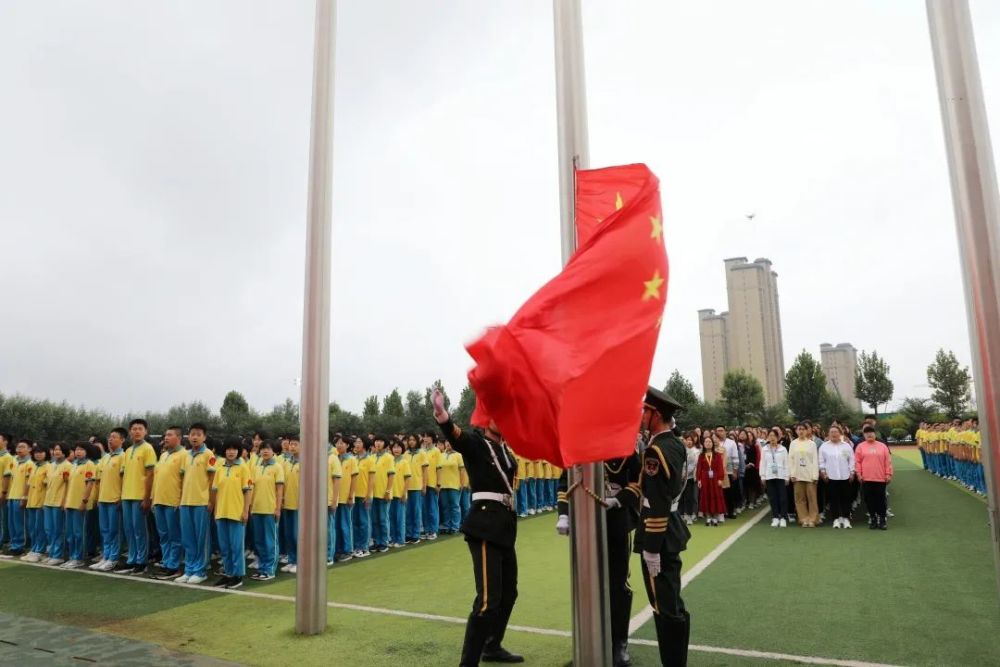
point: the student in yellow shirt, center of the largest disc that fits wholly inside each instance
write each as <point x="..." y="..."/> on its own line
<point x="451" y="488"/>
<point x="34" y="512"/>
<point x="416" y="490"/>
<point x="79" y="493"/>
<point x="361" y="514"/>
<point x="109" y="496"/>
<point x="55" y="496"/>
<point x="265" y="510"/>
<point x="432" y="497"/>
<point x="345" y="506"/>
<point x="231" y="489"/>
<point x="167" y="483"/>
<point x="385" y="471"/>
<point x="6" y="463"/>
<point x="333" y="481"/>
<point x="17" y="494"/>
<point x="290" y="512"/>
<point x="137" y="491"/>
<point x="398" y="503"/>
<point x="521" y="487"/>
<point x="197" y="472"/>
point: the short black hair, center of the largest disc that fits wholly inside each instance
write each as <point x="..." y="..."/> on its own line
<point x="26" y="441"/>
<point x="293" y="436"/>
<point x="139" y="420"/>
<point x="267" y="444"/>
<point x="7" y="437"/>
<point x="61" y="446"/>
<point x="40" y="448"/>
<point x="198" y="426"/>
<point x="872" y="417"/>
<point x="868" y="429"/>
<point x="232" y="442"/>
<point x="180" y="431"/>
<point x="262" y="434"/>
<point x="120" y="431"/>
<point x="100" y="440"/>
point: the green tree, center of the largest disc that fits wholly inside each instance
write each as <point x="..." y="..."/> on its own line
<point x="344" y="421"/>
<point x="742" y="396"/>
<point x="835" y="409"/>
<point x="805" y="387"/>
<point x="427" y="397"/>
<point x="466" y="404"/>
<point x="235" y="412"/>
<point x="283" y="419"/>
<point x="918" y="409"/>
<point x="705" y="415"/>
<point x="417" y="417"/>
<point x="950" y="382"/>
<point x="392" y="406"/>
<point x="774" y="415"/>
<point x="871" y="379"/>
<point x="679" y="388"/>
<point x="370" y="412"/>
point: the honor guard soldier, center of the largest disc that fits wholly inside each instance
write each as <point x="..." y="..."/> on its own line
<point x="490" y="530"/>
<point x="621" y="498"/>
<point x="662" y="534"/>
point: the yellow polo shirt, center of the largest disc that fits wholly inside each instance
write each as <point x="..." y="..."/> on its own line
<point x="6" y="464"/>
<point x="231" y="483"/>
<point x="167" y="478"/>
<point x="292" y="484"/>
<point x="348" y="471"/>
<point x="333" y="471"/>
<point x="366" y="464"/>
<point x="139" y="459"/>
<point x="196" y="470"/>
<point x="58" y="477"/>
<point x="522" y="468"/>
<point x="109" y="474"/>
<point x="383" y="466"/>
<point x="83" y="473"/>
<point x="433" y="456"/>
<point x="36" y="485"/>
<point x="418" y="464"/>
<point x="19" y="477"/>
<point x="461" y="464"/>
<point x="449" y="475"/>
<point x="402" y="478"/>
<point x="267" y="477"/>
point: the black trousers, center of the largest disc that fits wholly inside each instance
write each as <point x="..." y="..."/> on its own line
<point x="875" y="500"/>
<point x="838" y="491"/>
<point x="619" y="553"/>
<point x="823" y="498"/>
<point x="778" y="497"/>
<point x="495" y="570"/>
<point x="673" y="622"/>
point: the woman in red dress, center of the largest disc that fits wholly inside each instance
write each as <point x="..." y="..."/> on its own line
<point x="710" y="472"/>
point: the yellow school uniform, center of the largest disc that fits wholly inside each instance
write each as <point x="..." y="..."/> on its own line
<point x="366" y="465"/>
<point x="542" y="469"/>
<point x="333" y="472"/>
<point x="449" y="475"/>
<point x="167" y="478"/>
<point x="19" y="477"/>
<point x="348" y="472"/>
<point x="268" y="476"/>
<point x="522" y="467"/>
<point x="6" y="464"/>
<point x="292" y="484"/>
<point x="529" y="469"/>
<point x="36" y="485"/>
<point x="433" y="456"/>
<point x="109" y="474"/>
<point x="231" y="483"/>
<point x="81" y="476"/>
<point x="383" y="466"/>
<point x="417" y="462"/>
<point x="555" y="472"/>
<point x="196" y="469"/>
<point x="55" y="490"/>
<point x="402" y="478"/>
<point x="139" y="459"/>
<point x="464" y="479"/>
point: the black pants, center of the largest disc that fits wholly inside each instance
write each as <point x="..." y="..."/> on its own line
<point x="732" y="496"/>
<point x="875" y="500"/>
<point x="619" y="554"/>
<point x="778" y="497"/>
<point x="838" y="491"/>
<point x="823" y="499"/>
<point x="495" y="570"/>
<point x="673" y="622"/>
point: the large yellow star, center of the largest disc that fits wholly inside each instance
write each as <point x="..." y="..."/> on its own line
<point x="618" y="202"/>
<point x="657" y="232"/>
<point x="653" y="286"/>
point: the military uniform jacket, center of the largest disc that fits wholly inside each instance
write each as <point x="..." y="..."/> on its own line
<point x="487" y="520"/>
<point x="663" y="467"/>
<point x="621" y="481"/>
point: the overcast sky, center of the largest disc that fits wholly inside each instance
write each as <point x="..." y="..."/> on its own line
<point x="153" y="175"/>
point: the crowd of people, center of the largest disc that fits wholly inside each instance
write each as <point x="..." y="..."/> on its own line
<point x="951" y="450"/>
<point x="169" y="507"/>
<point x="807" y="475"/>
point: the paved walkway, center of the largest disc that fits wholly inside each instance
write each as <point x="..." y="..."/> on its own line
<point x="27" y="642"/>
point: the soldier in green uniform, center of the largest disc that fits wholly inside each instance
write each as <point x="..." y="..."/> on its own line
<point x="662" y="535"/>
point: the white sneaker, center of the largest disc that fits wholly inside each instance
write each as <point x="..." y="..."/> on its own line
<point x="31" y="557"/>
<point x="836" y="523"/>
<point x="183" y="579"/>
<point x="774" y="523"/>
<point x="286" y="568"/>
<point x="292" y="569"/>
<point x="783" y="524"/>
<point x="72" y="565"/>
<point x="55" y="561"/>
<point x="283" y="560"/>
<point x="845" y="523"/>
<point x="98" y="565"/>
<point x="109" y="565"/>
<point x="196" y="579"/>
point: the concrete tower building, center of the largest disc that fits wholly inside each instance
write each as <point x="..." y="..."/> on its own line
<point x="751" y="330"/>
<point x="839" y="364"/>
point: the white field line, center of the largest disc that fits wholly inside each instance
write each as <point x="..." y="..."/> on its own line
<point x="643" y="616"/>
<point x="768" y="655"/>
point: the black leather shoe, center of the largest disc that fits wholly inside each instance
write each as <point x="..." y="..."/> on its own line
<point x="621" y="658"/>
<point x="501" y="655"/>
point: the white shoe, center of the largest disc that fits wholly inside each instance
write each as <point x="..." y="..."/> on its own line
<point x="183" y="579"/>
<point x="31" y="557"/>
<point x="783" y="524"/>
<point x="72" y="565"/>
<point x="845" y="523"/>
<point x="292" y="569"/>
<point x="196" y="579"/>
<point x="774" y="523"/>
<point x="286" y="568"/>
<point x="97" y="566"/>
<point x="55" y="561"/>
<point x="108" y="566"/>
<point x="836" y="523"/>
<point x="283" y="560"/>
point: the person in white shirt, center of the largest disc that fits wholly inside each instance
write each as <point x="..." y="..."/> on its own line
<point x="836" y="467"/>
<point x="689" y="497"/>
<point x="774" y="476"/>
<point x="804" y="471"/>
<point x="732" y="491"/>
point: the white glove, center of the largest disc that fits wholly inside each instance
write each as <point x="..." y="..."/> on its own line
<point x="611" y="503"/>
<point x="652" y="562"/>
<point x="562" y="525"/>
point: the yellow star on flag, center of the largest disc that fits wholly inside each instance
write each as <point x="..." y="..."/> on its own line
<point x="618" y="202"/>
<point x="653" y="286"/>
<point x="657" y="232"/>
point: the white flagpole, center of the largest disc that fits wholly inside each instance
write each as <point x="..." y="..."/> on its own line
<point x="310" y="594"/>
<point x="588" y="541"/>
<point x="977" y="218"/>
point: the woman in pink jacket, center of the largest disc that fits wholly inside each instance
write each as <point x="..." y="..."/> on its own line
<point x="874" y="467"/>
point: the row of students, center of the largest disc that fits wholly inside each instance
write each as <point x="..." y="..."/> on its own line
<point x="952" y="451"/>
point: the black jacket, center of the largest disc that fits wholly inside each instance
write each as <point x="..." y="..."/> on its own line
<point x="663" y="468"/>
<point x="621" y="481"/>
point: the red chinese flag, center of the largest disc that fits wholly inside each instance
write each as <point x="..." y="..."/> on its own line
<point x="565" y="378"/>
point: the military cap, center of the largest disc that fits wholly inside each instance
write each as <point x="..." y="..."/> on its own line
<point x="661" y="402"/>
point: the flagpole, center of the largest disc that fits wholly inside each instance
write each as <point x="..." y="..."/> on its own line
<point x="310" y="593"/>
<point x="977" y="218"/>
<point x="588" y="543"/>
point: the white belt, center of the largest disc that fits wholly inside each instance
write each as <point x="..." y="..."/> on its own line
<point x="502" y="498"/>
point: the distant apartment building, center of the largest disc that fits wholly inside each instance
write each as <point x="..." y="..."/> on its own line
<point x="839" y="365"/>
<point x="748" y="335"/>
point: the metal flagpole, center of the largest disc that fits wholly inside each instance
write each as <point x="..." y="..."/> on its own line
<point x="977" y="217"/>
<point x="310" y="593"/>
<point x="589" y="547"/>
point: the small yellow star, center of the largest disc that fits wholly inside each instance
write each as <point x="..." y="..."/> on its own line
<point x="618" y="202"/>
<point x="653" y="286"/>
<point x="657" y="223"/>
